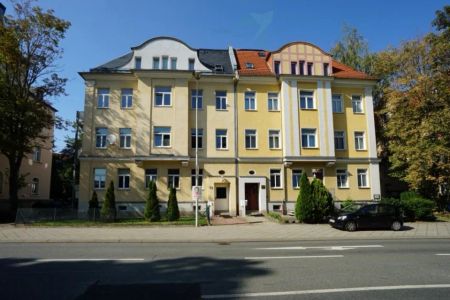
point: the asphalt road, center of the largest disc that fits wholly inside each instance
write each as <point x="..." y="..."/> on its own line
<point x="372" y="269"/>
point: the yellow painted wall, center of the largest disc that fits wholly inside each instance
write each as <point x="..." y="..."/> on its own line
<point x="309" y="118"/>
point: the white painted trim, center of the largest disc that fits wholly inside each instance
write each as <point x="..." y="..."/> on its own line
<point x="329" y="116"/>
<point x="371" y="138"/>
<point x="279" y="138"/>
<point x="262" y="200"/>
<point x="374" y="173"/>
<point x="295" y="109"/>
<point x="321" y="111"/>
<point x="286" y="119"/>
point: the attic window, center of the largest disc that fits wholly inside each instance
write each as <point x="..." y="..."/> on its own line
<point x="218" y="68"/>
<point x="249" y="65"/>
<point x="261" y="54"/>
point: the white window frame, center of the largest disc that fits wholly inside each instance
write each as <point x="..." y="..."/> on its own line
<point x="164" y="62"/>
<point x="270" y="100"/>
<point x="138" y="62"/>
<point x="221" y="100"/>
<point x="273" y="136"/>
<point x="103" y="97"/>
<point x="102" y="136"/>
<point x="275" y="187"/>
<point x="121" y="178"/>
<point x="307" y="97"/>
<point x="126" y="98"/>
<point x="150" y="177"/>
<point x="191" y="60"/>
<point x="200" y="177"/>
<point x="335" y="99"/>
<point x="37" y="153"/>
<point x="222" y="137"/>
<point x="342" y="181"/>
<point x="156" y="62"/>
<point x="299" y="173"/>
<point x="163" y="134"/>
<point x="173" y="63"/>
<point x="175" y="178"/>
<point x="355" y="100"/>
<point x="253" y="136"/>
<point x="163" y="96"/>
<point x="125" y="139"/>
<point x="309" y="63"/>
<point x="360" y="174"/>
<point x="200" y="138"/>
<point x="357" y="140"/>
<point x="196" y="99"/>
<point x="308" y="135"/>
<point x="101" y="179"/>
<point x="34" y="186"/>
<point x="343" y="140"/>
<point x="250" y="98"/>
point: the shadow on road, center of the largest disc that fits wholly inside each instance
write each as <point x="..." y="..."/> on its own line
<point x="180" y="278"/>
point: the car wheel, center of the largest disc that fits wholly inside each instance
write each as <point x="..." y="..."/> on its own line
<point x="350" y="226"/>
<point x="396" y="226"/>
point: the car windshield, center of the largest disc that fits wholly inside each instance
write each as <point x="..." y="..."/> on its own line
<point x="350" y="208"/>
<point x="368" y="209"/>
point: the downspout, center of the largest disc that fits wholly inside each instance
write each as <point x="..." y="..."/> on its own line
<point x="236" y="158"/>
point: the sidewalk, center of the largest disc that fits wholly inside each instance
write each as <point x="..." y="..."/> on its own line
<point x="264" y="231"/>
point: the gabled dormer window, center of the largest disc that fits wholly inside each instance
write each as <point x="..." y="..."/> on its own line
<point x="137" y="62"/>
<point x="173" y="63"/>
<point x="191" y="64"/>
<point x="165" y="62"/>
<point x="155" y="63"/>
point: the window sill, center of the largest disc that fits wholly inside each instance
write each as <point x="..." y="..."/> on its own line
<point x="275" y="149"/>
<point x="277" y="110"/>
<point x="121" y="148"/>
<point x="127" y="108"/>
<point x="224" y="149"/>
<point x="311" y="148"/>
<point x="364" y="187"/>
<point x="123" y="189"/>
<point x="358" y="113"/>
<point x="312" y="109"/>
<point x="221" y="109"/>
<point x="338" y="112"/>
<point x="276" y="188"/>
<point x="102" y="107"/>
<point x="344" y="188"/>
<point x="162" y="106"/>
<point x="162" y="147"/>
<point x="252" y="149"/>
<point x="251" y="110"/>
<point x="361" y="150"/>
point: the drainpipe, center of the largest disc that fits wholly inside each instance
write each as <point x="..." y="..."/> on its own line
<point x="236" y="159"/>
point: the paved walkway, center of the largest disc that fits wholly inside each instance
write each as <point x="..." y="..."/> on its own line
<point x="263" y="231"/>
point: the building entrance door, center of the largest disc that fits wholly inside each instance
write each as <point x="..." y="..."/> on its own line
<point x="252" y="196"/>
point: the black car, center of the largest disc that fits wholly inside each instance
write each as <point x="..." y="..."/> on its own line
<point x="369" y="216"/>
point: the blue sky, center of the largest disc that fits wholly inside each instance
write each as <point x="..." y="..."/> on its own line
<point x="104" y="29"/>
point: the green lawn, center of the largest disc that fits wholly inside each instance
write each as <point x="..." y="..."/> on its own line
<point x="128" y="222"/>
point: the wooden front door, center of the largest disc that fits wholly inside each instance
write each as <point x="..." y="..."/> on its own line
<point x="251" y="195"/>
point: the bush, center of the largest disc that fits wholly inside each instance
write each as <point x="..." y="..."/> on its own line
<point x="413" y="206"/>
<point x="304" y="208"/>
<point x="93" y="206"/>
<point x="173" y="213"/>
<point x="151" y="211"/>
<point x="322" y="201"/>
<point x="108" y="211"/>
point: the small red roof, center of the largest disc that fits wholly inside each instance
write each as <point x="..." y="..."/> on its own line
<point x="258" y="60"/>
<point x="343" y="71"/>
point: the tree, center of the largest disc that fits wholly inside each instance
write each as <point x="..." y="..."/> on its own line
<point x="109" y="211"/>
<point x="151" y="211"/>
<point x="93" y="206"/>
<point x="322" y="201"/>
<point x="304" y="209"/>
<point x="173" y="212"/>
<point x="29" y="48"/>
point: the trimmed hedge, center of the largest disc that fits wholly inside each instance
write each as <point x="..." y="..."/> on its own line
<point x="413" y="206"/>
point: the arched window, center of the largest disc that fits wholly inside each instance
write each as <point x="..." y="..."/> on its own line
<point x="35" y="186"/>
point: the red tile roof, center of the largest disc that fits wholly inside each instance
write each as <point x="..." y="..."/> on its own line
<point x="260" y="67"/>
<point x="343" y="71"/>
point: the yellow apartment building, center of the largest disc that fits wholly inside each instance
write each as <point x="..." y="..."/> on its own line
<point x="257" y="120"/>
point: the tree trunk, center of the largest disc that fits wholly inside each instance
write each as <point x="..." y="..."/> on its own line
<point x="14" y="172"/>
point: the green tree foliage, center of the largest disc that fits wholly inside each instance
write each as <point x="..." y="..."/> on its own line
<point x="304" y="208"/>
<point x="151" y="211"/>
<point x="29" y="47"/>
<point x="94" y="206"/>
<point x="109" y="211"/>
<point x="173" y="213"/>
<point x="322" y="200"/>
<point x="416" y="108"/>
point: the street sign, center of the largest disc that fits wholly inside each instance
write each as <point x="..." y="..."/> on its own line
<point x="196" y="193"/>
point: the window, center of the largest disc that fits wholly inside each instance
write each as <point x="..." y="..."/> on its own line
<point x="359" y="140"/>
<point x="137" y="62"/>
<point x="221" y="100"/>
<point x="126" y="98"/>
<point x="191" y="64"/>
<point x="293" y="68"/>
<point x="301" y="65"/>
<point x="124" y="178"/>
<point x="249" y="65"/>
<point x="125" y="138"/>
<point x="325" y="69"/>
<point x="318" y="173"/>
<point x="197" y="99"/>
<point x="165" y="62"/>
<point x="102" y="98"/>
<point x="308" y="138"/>
<point x="357" y="104"/>
<point x="221" y="139"/>
<point x="162" y="136"/>
<point x="276" y="66"/>
<point x="100" y="137"/>
<point x="306" y="100"/>
<point x="173" y="63"/>
<point x="37" y="153"/>
<point x="250" y="138"/>
<point x="99" y="178"/>
<point x="296" y="175"/>
<point x="221" y="192"/>
<point x="275" y="178"/>
<point x="163" y="95"/>
<point x="274" y="139"/>
<point x="342" y="178"/>
<point x="337" y="104"/>
<point x="310" y="68"/>
<point x="173" y="178"/>
<point x="199" y="136"/>
<point x="200" y="177"/>
<point x="155" y="63"/>
<point x="339" y="140"/>
<point x="35" y="186"/>
<point x="150" y="175"/>
<point x="250" y="101"/>
<point x="272" y="102"/>
<point x="362" y="178"/>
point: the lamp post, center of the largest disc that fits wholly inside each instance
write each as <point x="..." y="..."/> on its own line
<point x="197" y="78"/>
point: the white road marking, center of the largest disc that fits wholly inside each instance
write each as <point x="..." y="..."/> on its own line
<point x="443" y="254"/>
<point x="284" y="257"/>
<point x="47" y="260"/>
<point x="326" y="291"/>
<point x="331" y="248"/>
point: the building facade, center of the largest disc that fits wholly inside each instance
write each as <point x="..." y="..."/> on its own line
<point x="263" y="118"/>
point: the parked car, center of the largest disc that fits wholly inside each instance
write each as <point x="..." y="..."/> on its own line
<point x="369" y="216"/>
